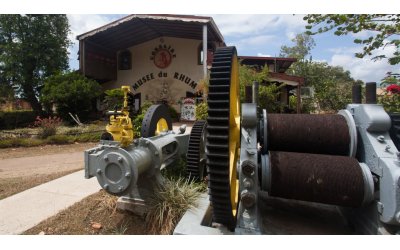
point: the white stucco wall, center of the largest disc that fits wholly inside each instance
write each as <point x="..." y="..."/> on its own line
<point x="183" y="68"/>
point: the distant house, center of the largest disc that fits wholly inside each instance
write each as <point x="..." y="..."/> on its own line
<point x="17" y="104"/>
<point x="277" y="67"/>
<point x="160" y="56"/>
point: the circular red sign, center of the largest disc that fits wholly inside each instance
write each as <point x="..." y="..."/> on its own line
<point x="162" y="58"/>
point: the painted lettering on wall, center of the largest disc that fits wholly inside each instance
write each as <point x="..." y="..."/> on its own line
<point x="151" y="76"/>
<point x="185" y="79"/>
<point x="143" y="80"/>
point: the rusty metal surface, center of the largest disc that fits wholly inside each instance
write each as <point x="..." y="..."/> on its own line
<point x="336" y="180"/>
<point x="316" y="134"/>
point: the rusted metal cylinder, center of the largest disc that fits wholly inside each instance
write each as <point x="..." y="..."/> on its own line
<point x="328" y="179"/>
<point x="316" y="134"/>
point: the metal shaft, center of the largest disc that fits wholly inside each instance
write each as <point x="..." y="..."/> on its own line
<point x="370" y="93"/>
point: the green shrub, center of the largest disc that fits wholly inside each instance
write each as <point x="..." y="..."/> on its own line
<point x="176" y="170"/>
<point x="70" y="92"/>
<point x="88" y="137"/>
<point x="60" y="139"/>
<point x="138" y="119"/>
<point x="114" y="97"/>
<point x="17" y="119"/>
<point x="201" y="111"/>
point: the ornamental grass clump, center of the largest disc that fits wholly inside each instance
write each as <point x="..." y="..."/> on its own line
<point x="169" y="203"/>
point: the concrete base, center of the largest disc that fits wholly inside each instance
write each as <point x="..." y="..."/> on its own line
<point x="136" y="206"/>
<point x="197" y="221"/>
<point x="279" y="216"/>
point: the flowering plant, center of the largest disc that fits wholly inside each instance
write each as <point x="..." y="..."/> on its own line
<point x="390" y="98"/>
<point x="47" y="126"/>
<point x="393" y="89"/>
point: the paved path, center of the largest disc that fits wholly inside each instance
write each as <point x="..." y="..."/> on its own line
<point x="24" y="210"/>
<point x="40" y="164"/>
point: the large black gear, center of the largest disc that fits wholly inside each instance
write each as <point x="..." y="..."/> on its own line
<point x="195" y="156"/>
<point x="217" y="138"/>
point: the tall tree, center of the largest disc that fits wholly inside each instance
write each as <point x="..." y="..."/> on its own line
<point x="32" y="47"/>
<point x="304" y="43"/>
<point x="384" y="30"/>
<point x="332" y="85"/>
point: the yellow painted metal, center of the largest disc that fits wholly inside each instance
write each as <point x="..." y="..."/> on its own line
<point x="120" y="126"/>
<point x="162" y="126"/>
<point x="234" y="132"/>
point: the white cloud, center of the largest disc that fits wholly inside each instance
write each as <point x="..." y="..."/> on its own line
<point x="364" y="34"/>
<point x="345" y="50"/>
<point x="263" y="55"/>
<point x="290" y="35"/>
<point x="365" y="69"/>
<point x="238" y="25"/>
<point x="84" y="23"/>
<point x="257" y="40"/>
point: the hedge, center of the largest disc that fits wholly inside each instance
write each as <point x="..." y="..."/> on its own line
<point x="17" y="119"/>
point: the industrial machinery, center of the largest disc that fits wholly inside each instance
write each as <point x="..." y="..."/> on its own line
<point x="120" y="162"/>
<point x="347" y="160"/>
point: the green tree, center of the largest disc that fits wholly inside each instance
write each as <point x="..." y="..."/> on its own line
<point x="304" y="43"/>
<point x="70" y="92"/>
<point x="32" y="47"/>
<point x="332" y="85"/>
<point x="268" y="93"/>
<point x="384" y="30"/>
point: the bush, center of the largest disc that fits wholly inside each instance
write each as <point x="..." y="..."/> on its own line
<point x="70" y="92"/>
<point x="201" y="111"/>
<point x="176" y="170"/>
<point x="47" y="126"/>
<point x="137" y="121"/>
<point x="267" y="98"/>
<point x="17" y="119"/>
<point x="114" y="97"/>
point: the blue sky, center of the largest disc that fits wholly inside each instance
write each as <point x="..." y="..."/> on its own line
<point x="253" y="26"/>
<point x="263" y="35"/>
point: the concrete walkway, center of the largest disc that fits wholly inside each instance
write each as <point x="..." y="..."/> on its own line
<point x="24" y="210"/>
